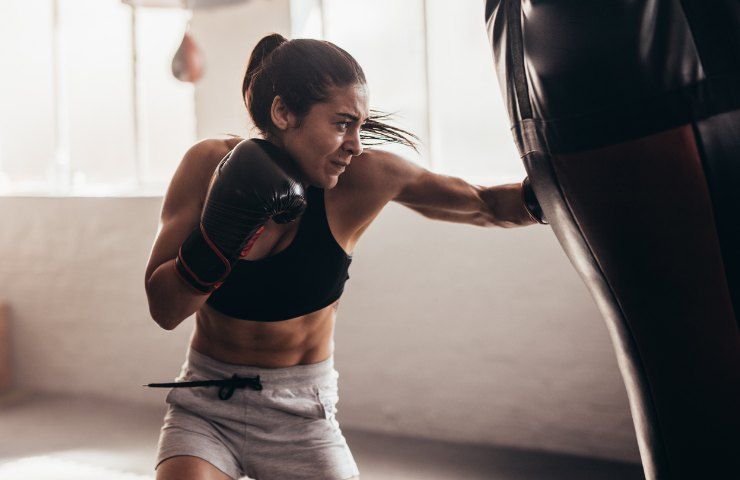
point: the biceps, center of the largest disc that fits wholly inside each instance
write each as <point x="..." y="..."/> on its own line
<point x="182" y="203"/>
<point x="173" y="229"/>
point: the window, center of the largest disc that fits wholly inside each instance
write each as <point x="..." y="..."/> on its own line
<point x="390" y="48"/>
<point x="82" y="114"/>
<point x="429" y="60"/>
<point x="470" y="128"/>
<point x="91" y="107"/>
<point x="27" y="120"/>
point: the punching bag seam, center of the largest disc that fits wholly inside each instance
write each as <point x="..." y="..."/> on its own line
<point x="516" y="51"/>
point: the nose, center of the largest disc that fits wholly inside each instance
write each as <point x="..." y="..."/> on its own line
<point x="352" y="143"/>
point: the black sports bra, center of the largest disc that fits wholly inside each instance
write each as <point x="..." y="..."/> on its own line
<point x="305" y="277"/>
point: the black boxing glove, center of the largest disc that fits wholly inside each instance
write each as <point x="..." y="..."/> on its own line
<point x="530" y="202"/>
<point x="254" y="182"/>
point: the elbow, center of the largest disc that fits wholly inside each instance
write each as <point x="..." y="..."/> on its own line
<point x="164" y="321"/>
<point x="168" y="326"/>
<point x="161" y="316"/>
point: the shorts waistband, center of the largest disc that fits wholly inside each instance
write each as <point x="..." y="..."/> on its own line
<point x="211" y="368"/>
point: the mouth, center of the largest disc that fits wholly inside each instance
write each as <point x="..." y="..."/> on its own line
<point x="339" y="166"/>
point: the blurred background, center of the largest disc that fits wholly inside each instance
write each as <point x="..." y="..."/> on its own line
<point x="495" y="360"/>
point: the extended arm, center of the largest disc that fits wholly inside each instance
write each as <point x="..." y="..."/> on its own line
<point x="452" y="199"/>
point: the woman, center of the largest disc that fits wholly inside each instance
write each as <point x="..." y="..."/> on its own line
<point x="263" y="334"/>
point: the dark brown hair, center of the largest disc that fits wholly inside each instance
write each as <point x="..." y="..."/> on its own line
<point x="302" y="72"/>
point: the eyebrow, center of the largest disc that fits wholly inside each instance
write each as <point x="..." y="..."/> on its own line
<point x="354" y="118"/>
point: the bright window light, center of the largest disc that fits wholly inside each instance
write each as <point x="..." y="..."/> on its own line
<point x="430" y="61"/>
<point x="78" y="119"/>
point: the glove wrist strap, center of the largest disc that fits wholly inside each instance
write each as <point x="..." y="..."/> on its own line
<point x="530" y="202"/>
<point x="200" y="263"/>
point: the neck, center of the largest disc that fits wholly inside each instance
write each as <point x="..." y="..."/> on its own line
<point x="292" y="167"/>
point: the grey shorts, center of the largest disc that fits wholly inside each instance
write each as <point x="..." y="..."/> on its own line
<point x="287" y="430"/>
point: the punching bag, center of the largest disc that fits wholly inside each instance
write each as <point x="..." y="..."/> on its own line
<point x="626" y="115"/>
<point x="187" y="64"/>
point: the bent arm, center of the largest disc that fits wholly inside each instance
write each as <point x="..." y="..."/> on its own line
<point x="171" y="300"/>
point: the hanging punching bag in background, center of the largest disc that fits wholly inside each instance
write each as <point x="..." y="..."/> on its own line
<point x="187" y="64"/>
<point x="627" y="118"/>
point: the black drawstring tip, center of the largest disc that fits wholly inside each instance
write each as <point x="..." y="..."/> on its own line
<point x="227" y="386"/>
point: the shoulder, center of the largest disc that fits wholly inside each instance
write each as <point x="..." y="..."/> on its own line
<point x="203" y="157"/>
<point x="376" y="166"/>
<point x="380" y="160"/>
<point x="190" y="181"/>
<point x="210" y="150"/>
<point x="385" y="173"/>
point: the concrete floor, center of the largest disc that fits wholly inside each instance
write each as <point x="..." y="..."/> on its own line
<point x="60" y="438"/>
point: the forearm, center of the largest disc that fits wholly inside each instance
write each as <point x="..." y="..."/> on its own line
<point x="503" y="206"/>
<point x="460" y="202"/>
<point x="477" y="218"/>
<point x="171" y="300"/>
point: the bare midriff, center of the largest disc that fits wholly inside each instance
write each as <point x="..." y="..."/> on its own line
<point x="299" y="341"/>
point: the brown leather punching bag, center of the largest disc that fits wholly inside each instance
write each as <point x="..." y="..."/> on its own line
<point x="626" y="115"/>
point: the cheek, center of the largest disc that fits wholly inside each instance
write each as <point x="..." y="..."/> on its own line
<point x="315" y="150"/>
<point x="326" y="141"/>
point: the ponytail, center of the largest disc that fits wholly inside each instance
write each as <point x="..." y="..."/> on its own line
<point x="261" y="51"/>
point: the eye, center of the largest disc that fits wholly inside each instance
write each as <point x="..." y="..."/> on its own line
<point x="343" y="125"/>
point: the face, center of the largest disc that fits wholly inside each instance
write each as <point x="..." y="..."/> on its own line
<point x="327" y="137"/>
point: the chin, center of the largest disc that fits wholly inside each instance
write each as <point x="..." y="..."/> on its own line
<point x="331" y="182"/>
<point x="328" y="182"/>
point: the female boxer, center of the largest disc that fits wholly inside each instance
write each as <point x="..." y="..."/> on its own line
<point x="256" y="239"/>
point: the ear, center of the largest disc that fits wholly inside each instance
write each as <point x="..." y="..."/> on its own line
<point x="281" y="116"/>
